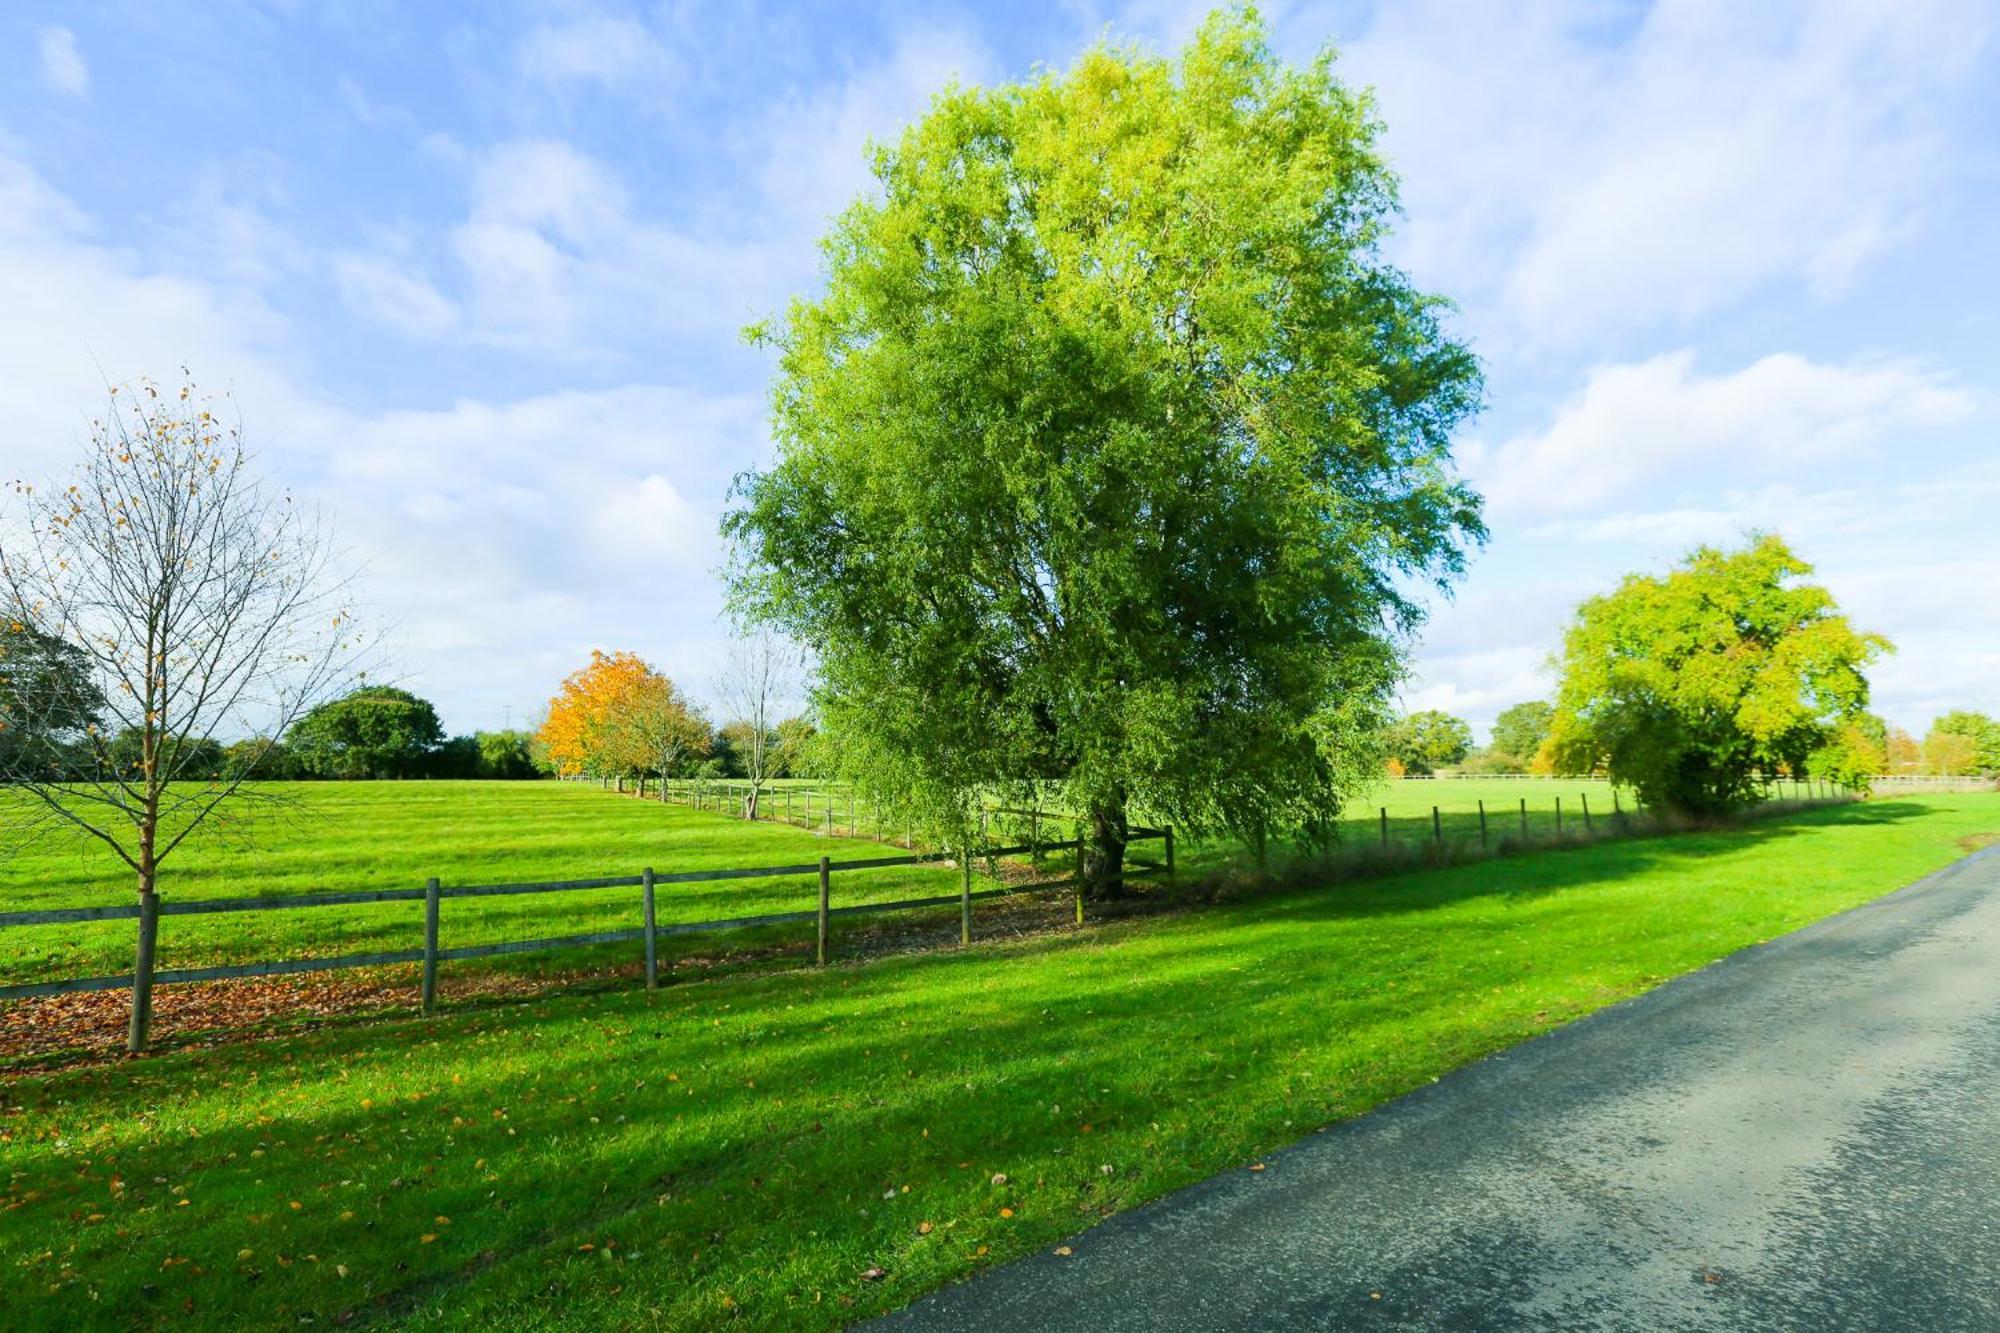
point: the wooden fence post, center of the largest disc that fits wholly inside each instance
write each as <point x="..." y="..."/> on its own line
<point x="652" y="935"/>
<point x="142" y="972"/>
<point x="1588" y="827"/>
<point x="1559" y="816"/>
<point x="825" y="904"/>
<point x="1385" y="828"/>
<point x="1035" y="834"/>
<point x="965" y="897"/>
<point x="1169" y="831"/>
<point x="1437" y="827"/>
<point x="1482" y="825"/>
<point x="829" y="816"/>
<point x="1524" y="818"/>
<point x="430" y="944"/>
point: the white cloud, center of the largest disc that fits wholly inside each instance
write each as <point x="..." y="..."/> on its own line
<point x="1634" y="170"/>
<point x="63" y="67"/>
<point x="592" y="47"/>
<point x="377" y="288"/>
<point x="80" y="312"/>
<point x="555" y="255"/>
<point x="653" y="524"/>
<point x="1661" y="425"/>
<point x="508" y="539"/>
<point x="501" y="540"/>
<point x="813" y="158"/>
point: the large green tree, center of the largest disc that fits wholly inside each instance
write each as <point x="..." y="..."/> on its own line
<point x="1694" y="685"/>
<point x="49" y="702"/>
<point x="1113" y="457"/>
<point x="1520" y="730"/>
<point x="374" y="732"/>
<point x="1426" y="741"/>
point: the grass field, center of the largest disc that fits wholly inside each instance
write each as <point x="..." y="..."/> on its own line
<point x="802" y="1148"/>
<point x="349" y="836"/>
<point x="354" y="836"/>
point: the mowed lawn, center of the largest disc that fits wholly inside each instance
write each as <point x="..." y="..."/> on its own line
<point x="327" y="837"/>
<point x="801" y="1148"/>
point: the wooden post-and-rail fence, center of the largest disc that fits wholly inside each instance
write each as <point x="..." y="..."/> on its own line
<point x="145" y="974"/>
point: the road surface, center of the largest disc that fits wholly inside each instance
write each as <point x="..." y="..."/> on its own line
<point x="1804" y="1135"/>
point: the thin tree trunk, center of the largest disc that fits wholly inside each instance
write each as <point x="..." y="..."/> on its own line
<point x="142" y="965"/>
<point x="149" y="912"/>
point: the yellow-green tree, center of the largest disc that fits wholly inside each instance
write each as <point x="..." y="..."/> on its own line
<point x="1694" y="685"/>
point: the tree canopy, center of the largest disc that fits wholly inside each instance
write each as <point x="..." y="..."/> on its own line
<point x="1962" y="742"/>
<point x="49" y="700"/>
<point x="1427" y="741"/>
<point x="1114" y="456"/>
<point x="618" y="716"/>
<point x="1520" y="730"/>
<point x="1694" y="685"/>
<point x="377" y="731"/>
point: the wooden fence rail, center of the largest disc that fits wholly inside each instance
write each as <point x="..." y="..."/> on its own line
<point x="145" y="976"/>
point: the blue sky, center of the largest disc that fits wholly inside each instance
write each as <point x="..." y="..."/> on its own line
<point x="474" y="277"/>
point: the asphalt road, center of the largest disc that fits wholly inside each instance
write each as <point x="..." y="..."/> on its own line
<point x="1804" y="1136"/>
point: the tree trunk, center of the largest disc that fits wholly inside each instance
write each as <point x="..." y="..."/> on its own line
<point x="750" y="803"/>
<point x="142" y="965"/>
<point x="1102" y="863"/>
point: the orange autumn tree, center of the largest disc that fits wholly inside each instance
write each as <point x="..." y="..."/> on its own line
<point x="619" y="716"/>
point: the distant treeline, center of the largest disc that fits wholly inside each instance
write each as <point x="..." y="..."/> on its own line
<point x="380" y="732"/>
<point x="1959" y="743"/>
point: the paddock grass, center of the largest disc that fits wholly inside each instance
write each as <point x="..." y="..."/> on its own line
<point x="323" y="837"/>
<point x="296" y="838"/>
<point x="799" y="1149"/>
